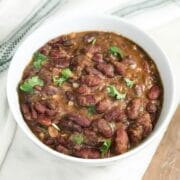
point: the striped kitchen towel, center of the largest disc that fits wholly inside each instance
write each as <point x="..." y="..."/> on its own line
<point x="23" y="16"/>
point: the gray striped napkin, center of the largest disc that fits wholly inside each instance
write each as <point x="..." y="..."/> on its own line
<point x="9" y="45"/>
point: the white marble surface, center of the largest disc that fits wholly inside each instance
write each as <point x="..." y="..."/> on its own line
<point x="26" y="161"/>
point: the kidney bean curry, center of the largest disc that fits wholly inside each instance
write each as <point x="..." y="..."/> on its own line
<point x="91" y="94"/>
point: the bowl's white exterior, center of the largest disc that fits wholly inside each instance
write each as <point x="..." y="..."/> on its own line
<point x="82" y="23"/>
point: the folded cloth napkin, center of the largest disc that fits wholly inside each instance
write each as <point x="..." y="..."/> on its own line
<point x="23" y="22"/>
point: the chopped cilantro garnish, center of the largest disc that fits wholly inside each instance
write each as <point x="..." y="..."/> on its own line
<point x="39" y="60"/>
<point x="105" y="147"/>
<point x="91" y="110"/>
<point x="116" y="51"/>
<point x="29" y="84"/>
<point x="93" y="42"/>
<point x="129" y="82"/>
<point x="114" y="92"/>
<point x="77" y="138"/>
<point x="65" y="74"/>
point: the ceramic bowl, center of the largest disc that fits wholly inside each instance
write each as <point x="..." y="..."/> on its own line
<point x="84" y="23"/>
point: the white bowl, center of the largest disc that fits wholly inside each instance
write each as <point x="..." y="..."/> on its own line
<point x="84" y="23"/>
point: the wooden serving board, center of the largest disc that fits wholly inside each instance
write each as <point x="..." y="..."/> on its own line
<point x="165" y="164"/>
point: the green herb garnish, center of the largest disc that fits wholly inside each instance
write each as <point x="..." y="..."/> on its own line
<point x="114" y="50"/>
<point x="91" y="110"/>
<point x="65" y="74"/>
<point x="77" y="138"/>
<point x="39" y="60"/>
<point x="105" y="147"/>
<point x="114" y="92"/>
<point x="93" y="42"/>
<point x="129" y="82"/>
<point x="29" y="84"/>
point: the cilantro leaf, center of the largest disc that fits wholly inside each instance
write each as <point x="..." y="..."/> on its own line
<point x="91" y="110"/>
<point x="105" y="147"/>
<point x="29" y="84"/>
<point x="114" y="50"/>
<point x="77" y="138"/>
<point x="129" y="82"/>
<point x="93" y="42"/>
<point x="114" y="92"/>
<point x="65" y="74"/>
<point x="39" y="60"/>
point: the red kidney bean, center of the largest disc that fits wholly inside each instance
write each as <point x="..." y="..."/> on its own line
<point x="50" y="90"/>
<point x="145" y="121"/>
<point x="138" y="90"/>
<point x="121" y="141"/>
<point x="78" y="119"/>
<point x="89" y="132"/>
<point x="62" y="62"/>
<point x="154" y="92"/>
<point x="63" y="149"/>
<point x="119" y="68"/>
<point x="50" y="112"/>
<point x="87" y="153"/>
<point x="79" y="60"/>
<point x="88" y="38"/>
<point x="122" y="117"/>
<point x="91" y="80"/>
<point x="106" y="69"/>
<point x="86" y="100"/>
<point x="151" y="107"/>
<point x="50" y="104"/>
<point x="98" y="57"/>
<point x="34" y="113"/>
<point x="115" y="114"/>
<point x="26" y="111"/>
<point x="133" y="108"/>
<point x="91" y="50"/>
<point x="83" y="89"/>
<point x="128" y="60"/>
<point x="55" y="54"/>
<point x="69" y="125"/>
<point x="103" y="105"/>
<point x="68" y="43"/>
<point x="135" y="134"/>
<point x="25" y="108"/>
<point x="49" y="141"/>
<point x="92" y="138"/>
<point x="91" y="70"/>
<point x="45" y="50"/>
<point x="45" y="75"/>
<point x="29" y="72"/>
<point x="104" y="128"/>
<point x="40" y="108"/>
<point x="46" y="121"/>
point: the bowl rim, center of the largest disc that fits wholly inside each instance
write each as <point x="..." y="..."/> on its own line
<point x="131" y="152"/>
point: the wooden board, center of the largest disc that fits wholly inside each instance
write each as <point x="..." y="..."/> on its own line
<point x="165" y="164"/>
